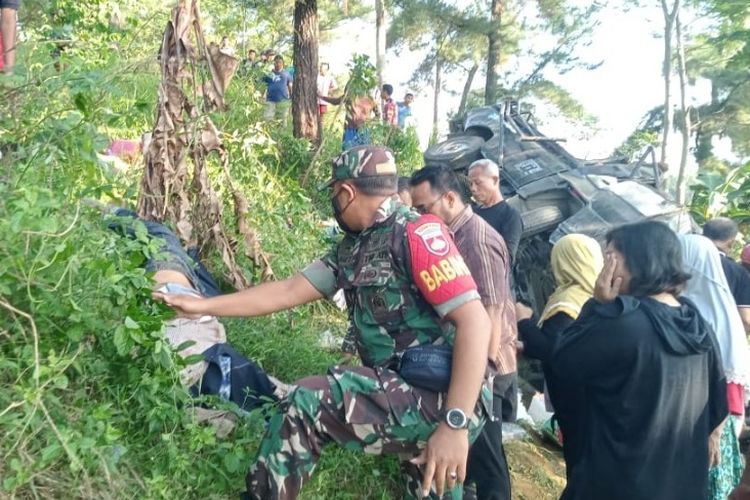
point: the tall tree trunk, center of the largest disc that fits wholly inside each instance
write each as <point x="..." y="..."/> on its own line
<point x="493" y="53"/>
<point x="467" y="88"/>
<point x="438" y="85"/>
<point x="685" y="124"/>
<point x="669" y="18"/>
<point x="304" y="89"/>
<point x="380" y="40"/>
<point x="704" y="133"/>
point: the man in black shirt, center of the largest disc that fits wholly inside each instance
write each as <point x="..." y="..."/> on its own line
<point x="484" y="178"/>
<point x="722" y="232"/>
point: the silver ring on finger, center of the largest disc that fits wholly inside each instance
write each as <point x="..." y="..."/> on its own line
<point x="453" y="475"/>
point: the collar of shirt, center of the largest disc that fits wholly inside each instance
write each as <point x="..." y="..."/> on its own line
<point x="461" y="219"/>
<point x="385" y="209"/>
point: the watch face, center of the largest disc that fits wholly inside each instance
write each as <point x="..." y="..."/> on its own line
<point x="456" y="418"/>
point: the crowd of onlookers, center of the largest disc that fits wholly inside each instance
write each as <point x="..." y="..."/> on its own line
<point x="643" y="340"/>
<point x="643" y="344"/>
<point x="275" y="78"/>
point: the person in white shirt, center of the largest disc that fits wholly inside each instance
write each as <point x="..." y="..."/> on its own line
<point x="326" y="85"/>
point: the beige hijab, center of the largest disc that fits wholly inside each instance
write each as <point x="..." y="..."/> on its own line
<point x="576" y="263"/>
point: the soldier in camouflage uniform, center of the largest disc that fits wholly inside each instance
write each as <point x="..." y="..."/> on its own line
<point x="405" y="285"/>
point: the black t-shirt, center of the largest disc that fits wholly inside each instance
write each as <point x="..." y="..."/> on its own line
<point x="653" y="390"/>
<point x="505" y="220"/>
<point x="738" y="279"/>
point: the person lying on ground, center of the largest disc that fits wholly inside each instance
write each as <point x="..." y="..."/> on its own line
<point x="438" y="191"/>
<point x="179" y="271"/>
<point x="576" y="261"/>
<point x="650" y="367"/>
<point x="414" y="305"/>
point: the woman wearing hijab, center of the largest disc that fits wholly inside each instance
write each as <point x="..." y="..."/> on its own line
<point x="709" y="290"/>
<point x="576" y="262"/>
<point x="650" y="369"/>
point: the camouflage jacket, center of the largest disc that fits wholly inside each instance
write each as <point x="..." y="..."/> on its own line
<point x="400" y="277"/>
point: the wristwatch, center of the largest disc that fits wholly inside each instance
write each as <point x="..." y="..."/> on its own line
<point x="456" y="419"/>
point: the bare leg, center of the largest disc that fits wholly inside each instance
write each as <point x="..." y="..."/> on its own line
<point x="8" y="31"/>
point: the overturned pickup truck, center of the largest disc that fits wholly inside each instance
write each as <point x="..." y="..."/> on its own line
<point x="555" y="193"/>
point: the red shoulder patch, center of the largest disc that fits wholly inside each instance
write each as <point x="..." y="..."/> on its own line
<point x="437" y="268"/>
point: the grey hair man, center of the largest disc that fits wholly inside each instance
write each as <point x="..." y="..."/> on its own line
<point x="722" y="231"/>
<point x="484" y="182"/>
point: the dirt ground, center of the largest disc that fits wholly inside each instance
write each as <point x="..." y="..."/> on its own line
<point x="537" y="469"/>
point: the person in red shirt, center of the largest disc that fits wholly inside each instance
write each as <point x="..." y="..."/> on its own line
<point x="390" y="110"/>
<point x="8" y="15"/>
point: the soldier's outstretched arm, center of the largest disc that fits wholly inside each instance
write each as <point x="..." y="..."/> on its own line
<point x="259" y="300"/>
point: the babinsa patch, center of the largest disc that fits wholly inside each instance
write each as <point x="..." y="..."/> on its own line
<point x="438" y="270"/>
<point x="433" y="239"/>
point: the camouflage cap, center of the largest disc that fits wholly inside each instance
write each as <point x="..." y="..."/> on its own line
<point x="362" y="161"/>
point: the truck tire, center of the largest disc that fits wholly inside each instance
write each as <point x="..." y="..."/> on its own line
<point x="456" y="152"/>
<point x="541" y="219"/>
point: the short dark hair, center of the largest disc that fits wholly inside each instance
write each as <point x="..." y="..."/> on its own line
<point x="252" y="50"/>
<point x="441" y="179"/>
<point x="408" y="94"/>
<point x="653" y="256"/>
<point x="278" y="58"/>
<point x="720" y="229"/>
<point x="388" y="88"/>
<point x="379" y="185"/>
<point x="403" y="184"/>
<point x="325" y="64"/>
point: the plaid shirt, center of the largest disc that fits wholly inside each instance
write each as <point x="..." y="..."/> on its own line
<point x="390" y="112"/>
<point x="486" y="255"/>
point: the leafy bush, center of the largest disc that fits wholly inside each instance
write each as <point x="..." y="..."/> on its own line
<point x="722" y="192"/>
<point x="90" y="402"/>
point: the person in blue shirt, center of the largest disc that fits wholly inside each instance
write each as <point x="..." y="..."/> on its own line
<point x="404" y="111"/>
<point x="279" y="89"/>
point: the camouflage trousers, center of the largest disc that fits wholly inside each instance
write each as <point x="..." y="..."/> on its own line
<point x="370" y="410"/>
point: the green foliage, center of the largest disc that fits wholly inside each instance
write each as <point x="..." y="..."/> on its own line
<point x="722" y="192"/>
<point x="90" y="402"/>
<point x="89" y="385"/>
<point x="405" y="146"/>
<point x="567" y="106"/>
<point x="363" y="76"/>
<point x="648" y="133"/>
<point x="454" y="36"/>
<point x="722" y="55"/>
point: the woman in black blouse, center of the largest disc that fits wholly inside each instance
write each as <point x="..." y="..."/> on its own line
<point x="576" y="262"/>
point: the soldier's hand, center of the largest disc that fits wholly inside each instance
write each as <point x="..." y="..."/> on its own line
<point x="443" y="459"/>
<point x="185" y="305"/>
<point x="607" y="286"/>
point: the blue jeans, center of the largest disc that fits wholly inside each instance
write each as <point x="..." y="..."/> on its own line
<point x="171" y="256"/>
